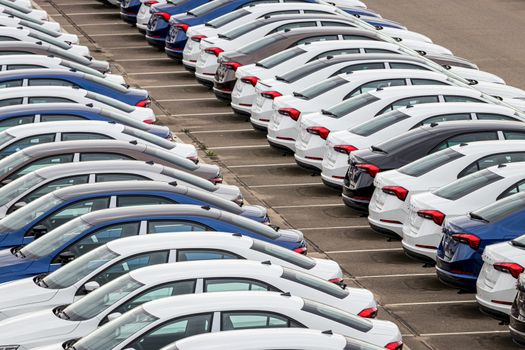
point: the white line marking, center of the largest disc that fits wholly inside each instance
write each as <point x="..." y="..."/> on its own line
<point x="135" y="48"/>
<point x="99" y="24"/>
<point x="307" y="206"/>
<point x="115" y="34"/>
<point x="432" y="303"/>
<point x="201" y="114"/>
<point x="171" y="86"/>
<point x="75" y="4"/>
<point x="332" y="227"/>
<point x="188" y="99"/>
<point x="216" y="131"/>
<point x="462" y="333"/>
<point x="397" y="275"/>
<point x="233" y="147"/>
<point x="261" y="166"/>
<point x="288" y="185"/>
<point x="364" y="250"/>
<point x="93" y="13"/>
<point x="146" y="59"/>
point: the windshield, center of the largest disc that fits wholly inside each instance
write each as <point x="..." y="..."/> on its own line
<point x="230" y="17"/>
<point x="12" y="162"/>
<point x="208" y="7"/>
<point x="430" y="162"/>
<point x="283" y="254"/>
<point x="18" y="187"/>
<point x="79" y="268"/>
<point x="146" y="136"/>
<point x="320" y="88"/>
<point x="315" y="283"/>
<point x="55" y="239"/>
<point x="110" y="102"/>
<point x="501" y="209"/>
<point x="467" y="185"/>
<point x="29" y="213"/>
<point x="101" y="299"/>
<point x="336" y="315"/>
<point x="117" y="331"/>
<point x="379" y="123"/>
<point x="259" y="44"/>
<point x="350" y="105"/>
<point x="278" y="58"/>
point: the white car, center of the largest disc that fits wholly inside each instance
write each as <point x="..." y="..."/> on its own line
<point x="23" y="3"/>
<point x="339" y="144"/>
<point x="422" y="230"/>
<point x="144" y="13"/>
<point x="271" y="339"/>
<point x="37" y="28"/>
<point x="161" y="322"/>
<point x="137" y="287"/>
<point x="287" y="110"/>
<point x="502" y="263"/>
<point x="59" y="94"/>
<point x="11" y="13"/>
<point x="116" y="258"/>
<point x="16" y="6"/>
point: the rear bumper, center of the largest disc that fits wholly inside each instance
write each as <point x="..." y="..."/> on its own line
<point x="336" y="184"/>
<point x="245" y="111"/>
<point x="360" y="205"/>
<point x="155" y="42"/>
<point x="304" y="163"/>
<point x="174" y="54"/>
<point x="495" y="314"/>
<point x="128" y="17"/>
<point x="224" y="96"/>
<point x="516" y="331"/>
<point x="454" y="280"/>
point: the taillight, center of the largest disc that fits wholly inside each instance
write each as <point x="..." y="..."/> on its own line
<point x="232" y="65"/>
<point x="301" y="250"/>
<point x="319" y="130"/>
<point x="194" y="159"/>
<point x="149" y="121"/>
<point x="345" y="149"/>
<point x="472" y="241"/>
<point x="144" y="103"/>
<point x="371" y="312"/>
<point x="290" y="112"/>
<point x="397" y="345"/>
<point x="270" y="94"/>
<point x="371" y="169"/>
<point x="198" y="38"/>
<point x="250" y="80"/>
<point x="149" y="3"/>
<point x="213" y="51"/>
<point x="217" y="180"/>
<point x="165" y="16"/>
<point x="514" y="269"/>
<point x="337" y="280"/>
<point x="434" y="215"/>
<point x="400" y="192"/>
<point x="183" y="26"/>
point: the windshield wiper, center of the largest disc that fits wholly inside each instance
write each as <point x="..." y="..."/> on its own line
<point x="298" y="94"/>
<point x="377" y="149"/>
<point x="277" y="77"/>
<point x="478" y="217"/>
<point x="327" y="112"/>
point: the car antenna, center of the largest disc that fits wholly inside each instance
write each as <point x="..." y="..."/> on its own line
<point x="133" y="142"/>
<point x="463" y="144"/>
<point x="433" y="125"/>
<point x="173" y="183"/>
<point x="287" y="294"/>
<point x="236" y="235"/>
<point x="502" y="165"/>
<point x="206" y="207"/>
<point x="267" y="262"/>
<point x="89" y="105"/>
<point x="329" y="332"/>
<point x="150" y="162"/>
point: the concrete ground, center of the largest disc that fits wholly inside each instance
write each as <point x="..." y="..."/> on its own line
<point x="430" y="315"/>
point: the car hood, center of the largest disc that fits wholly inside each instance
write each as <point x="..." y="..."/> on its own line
<point x="326" y="269"/>
<point x="23" y="292"/>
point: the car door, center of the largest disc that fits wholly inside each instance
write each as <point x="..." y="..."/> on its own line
<point x="175" y="225"/>
<point x="41" y="163"/>
<point x="237" y="320"/>
<point x="213" y="285"/>
<point x="25" y="142"/>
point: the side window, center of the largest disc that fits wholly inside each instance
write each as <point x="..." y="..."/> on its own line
<point x="11" y="83"/>
<point x="293" y="25"/>
<point x="357" y="37"/>
<point x="55" y="185"/>
<point x="23" y="66"/>
<point x="11" y="102"/>
<point x="103" y="236"/>
<point x="50" y="82"/>
<point x="129" y="201"/>
<point x="379" y="51"/>
<point x="42" y="163"/>
<point x="174" y="226"/>
<point x="450" y="98"/>
<point x="335" y="24"/>
<point x="172" y="331"/>
<point x="493" y="116"/>
<point x="409" y="101"/>
<point x="316" y="12"/>
<point x="360" y="66"/>
<point x="514" y="135"/>
<point x="7" y="38"/>
<point x="89" y="157"/>
<point x="335" y="53"/>
<point x="118" y="177"/>
<point x="494" y="159"/>
<point x="444" y="118"/>
<point x="518" y="187"/>
<point x="400" y="65"/>
<point x="316" y="38"/>
<point x="75" y="136"/>
<point x="252" y="319"/>
<point x="204" y="254"/>
<point x="427" y="82"/>
<point x="469" y="137"/>
<point x="49" y="99"/>
<point x="374" y="85"/>
<point x="59" y="117"/>
<point x="235" y="284"/>
<point x="15" y="121"/>
<point x="26" y="142"/>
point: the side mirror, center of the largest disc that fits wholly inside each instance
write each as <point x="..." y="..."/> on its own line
<point x="66" y="257"/>
<point x="38" y="231"/>
<point x="114" y="316"/>
<point x="91" y="286"/>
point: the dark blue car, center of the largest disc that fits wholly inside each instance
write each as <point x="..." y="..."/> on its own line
<point x="129" y="10"/>
<point x="52" y="112"/>
<point x="92" y="230"/>
<point x="459" y="256"/>
<point x="74" y="79"/>
<point x="48" y="210"/>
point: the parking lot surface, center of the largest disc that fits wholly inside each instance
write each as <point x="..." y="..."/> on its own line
<point x="430" y="315"/>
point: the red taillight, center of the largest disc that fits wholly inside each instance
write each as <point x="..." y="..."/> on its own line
<point x="337" y="280"/>
<point x="368" y="313"/>
<point x="194" y="159"/>
<point x="301" y="250"/>
<point x="290" y="112"/>
<point x="270" y="94"/>
<point x="232" y="65"/>
<point x="400" y="192"/>
<point x="250" y="80"/>
<point x="165" y="16"/>
<point x="198" y="38"/>
<point x="319" y="130"/>
<point x="213" y="51"/>
<point x="149" y="121"/>
<point x="144" y="103"/>
<point x="182" y="26"/>
<point x="514" y="269"/>
<point x="216" y="180"/>
<point x="473" y="241"/>
<point x="397" y="345"/>
<point x="434" y="215"/>
<point x="371" y="169"/>
<point x="149" y="3"/>
<point x="345" y="149"/>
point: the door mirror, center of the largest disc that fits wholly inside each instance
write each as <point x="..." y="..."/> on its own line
<point x="66" y="257"/>
<point x="19" y="205"/>
<point x="114" y="316"/>
<point x="38" y="231"/>
<point x="91" y="286"/>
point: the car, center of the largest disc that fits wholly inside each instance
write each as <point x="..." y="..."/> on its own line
<point x="49" y="211"/>
<point x="502" y="263"/>
<point x="231" y="310"/>
<point x="22" y="8"/>
<point x="224" y="80"/>
<point x="271" y="339"/>
<point x="398" y="151"/>
<point x="109" y="261"/>
<point x="341" y="143"/>
<point x="11" y="116"/>
<point x="47" y="154"/>
<point x="144" y="14"/>
<point x="23" y="3"/>
<point x="129" y="10"/>
<point x="164" y="280"/>
<point x="91" y="230"/>
<point x="517" y="324"/>
<point x="13" y="13"/>
<point x="335" y="84"/>
<point x="76" y="80"/>
<point x="38" y="28"/>
<point x="19" y="96"/>
<point x="40" y="182"/>
<point x="29" y="48"/>
<point x="466" y="236"/>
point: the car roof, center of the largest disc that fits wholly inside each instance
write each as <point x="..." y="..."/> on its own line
<point x="424" y="89"/>
<point x="51" y="72"/>
<point x="39" y="90"/>
<point x="381" y="74"/>
<point x="123" y="166"/>
<point x="297" y="16"/>
<point x="44" y="107"/>
<point x="99" y="126"/>
<point x="362" y="56"/>
<point x="490" y="147"/>
<point x="470" y="125"/>
<point x="456" y="107"/>
<point x="510" y="170"/>
<point x="301" y="32"/>
<point x="82" y="146"/>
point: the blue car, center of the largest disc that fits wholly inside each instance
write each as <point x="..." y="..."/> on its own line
<point x="58" y="207"/>
<point x="52" y="112"/>
<point x="74" y="79"/>
<point x="129" y="10"/>
<point x="92" y="230"/>
<point x="459" y="256"/>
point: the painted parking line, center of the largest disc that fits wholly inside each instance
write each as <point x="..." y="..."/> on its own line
<point x="201" y="114"/>
<point x="147" y="59"/>
<point x="431" y="303"/>
<point x="188" y="99"/>
<point x="94" y="24"/>
<point x="463" y="333"/>
<point x="93" y="13"/>
<point x="115" y="34"/>
<point x="396" y="275"/>
<point x="332" y="227"/>
<point x="170" y="86"/>
<point x="365" y="250"/>
<point x="262" y="166"/>
<point x="234" y="147"/>
<point x="308" y="206"/>
<point x="285" y="185"/>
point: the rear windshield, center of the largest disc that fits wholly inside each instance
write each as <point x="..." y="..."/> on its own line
<point x="280" y="57"/>
<point x="208" y="7"/>
<point x="468" y="184"/>
<point x="241" y="30"/>
<point x="379" y="123"/>
<point x="350" y="105"/>
<point x="230" y="17"/>
<point x="302" y="72"/>
<point x="500" y="209"/>
<point x="337" y="315"/>
<point x="259" y="44"/>
<point x="315" y="283"/>
<point x="320" y="88"/>
<point x="430" y="162"/>
<point x="283" y="254"/>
